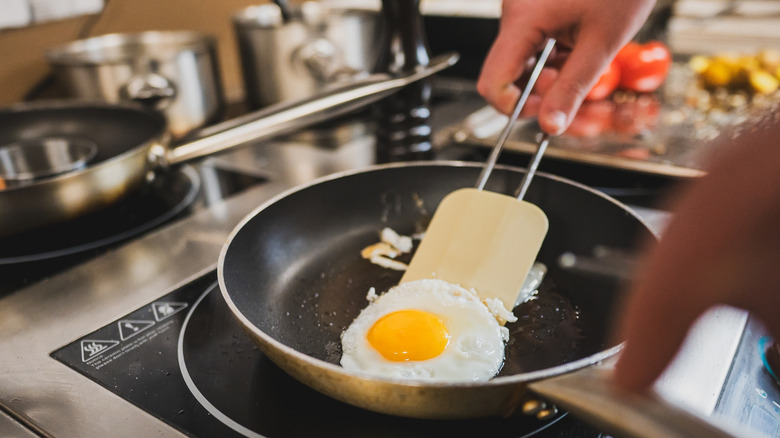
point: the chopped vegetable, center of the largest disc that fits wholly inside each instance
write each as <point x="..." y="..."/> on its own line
<point x="640" y="68"/>
<point x="643" y="67"/>
<point x="757" y="74"/>
<point x="607" y="83"/>
<point x="763" y="82"/>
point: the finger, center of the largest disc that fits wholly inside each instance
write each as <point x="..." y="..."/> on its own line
<point x="531" y="107"/>
<point x="505" y="63"/>
<point x="580" y="72"/>
<point x="546" y="78"/>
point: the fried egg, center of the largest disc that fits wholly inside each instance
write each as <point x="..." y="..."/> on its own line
<point x="425" y="330"/>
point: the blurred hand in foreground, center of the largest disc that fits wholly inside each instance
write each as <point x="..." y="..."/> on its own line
<point x="722" y="246"/>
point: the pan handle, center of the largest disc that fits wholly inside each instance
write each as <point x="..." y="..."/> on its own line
<point x="289" y="116"/>
<point x="589" y="394"/>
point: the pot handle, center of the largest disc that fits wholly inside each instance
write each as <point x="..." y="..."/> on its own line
<point x="289" y="116"/>
<point x="323" y="61"/>
<point x="151" y="89"/>
<point x="589" y="394"/>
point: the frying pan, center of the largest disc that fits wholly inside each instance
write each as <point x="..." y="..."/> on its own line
<point x="292" y="275"/>
<point x="133" y="144"/>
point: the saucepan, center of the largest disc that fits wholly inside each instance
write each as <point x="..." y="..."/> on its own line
<point x="292" y="275"/>
<point x="174" y="72"/>
<point x="318" y="46"/>
<point x="133" y="142"/>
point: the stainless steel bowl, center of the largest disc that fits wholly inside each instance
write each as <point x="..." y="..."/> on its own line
<point x="175" y="72"/>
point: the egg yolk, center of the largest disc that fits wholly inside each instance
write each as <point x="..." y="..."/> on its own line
<point x="409" y="335"/>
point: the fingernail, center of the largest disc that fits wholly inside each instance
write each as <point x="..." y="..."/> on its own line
<point x="557" y="120"/>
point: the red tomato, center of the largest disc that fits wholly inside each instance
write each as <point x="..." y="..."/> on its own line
<point x="606" y="84"/>
<point x="643" y="67"/>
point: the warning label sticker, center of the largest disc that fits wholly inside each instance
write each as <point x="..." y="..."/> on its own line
<point x="149" y="331"/>
<point x="164" y="309"/>
<point x="131" y="327"/>
<point x="91" y="348"/>
<point x="146" y="337"/>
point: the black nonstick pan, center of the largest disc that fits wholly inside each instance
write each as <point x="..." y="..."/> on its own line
<point x="292" y="274"/>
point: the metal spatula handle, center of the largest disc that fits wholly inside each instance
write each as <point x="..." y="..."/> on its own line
<point x="488" y="169"/>
<point x="529" y="174"/>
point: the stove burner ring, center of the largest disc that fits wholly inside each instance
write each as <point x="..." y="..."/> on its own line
<point x="246" y="392"/>
<point x="170" y="195"/>
<point x="203" y="400"/>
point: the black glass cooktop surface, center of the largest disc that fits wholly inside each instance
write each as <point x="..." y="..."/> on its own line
<point x="166" y="197"/>
<point x="185" y="360"/>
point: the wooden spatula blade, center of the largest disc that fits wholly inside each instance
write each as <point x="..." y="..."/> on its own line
<point x="481" y="240"/>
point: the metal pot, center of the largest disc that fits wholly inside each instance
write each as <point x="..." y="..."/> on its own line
<point x="175" y="72"/>
<point x="133" y="144"/>
<point x="292" y="59"/>
<point x="292" y="274"/>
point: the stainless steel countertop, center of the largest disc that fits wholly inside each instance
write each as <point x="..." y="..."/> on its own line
<point x="34" y="322"/>
<point x="55" y="400"/>
<point x="11" y="428"/>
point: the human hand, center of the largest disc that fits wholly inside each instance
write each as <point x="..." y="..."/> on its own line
<point x="721" y="247"/>
<point x="592" y="33"/>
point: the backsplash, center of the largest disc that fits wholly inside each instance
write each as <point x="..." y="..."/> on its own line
<point x="21" y="13"/>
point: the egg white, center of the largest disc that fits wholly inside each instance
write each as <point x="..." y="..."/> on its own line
<point x="475" y="351"/>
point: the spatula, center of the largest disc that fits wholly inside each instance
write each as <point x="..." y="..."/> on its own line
<point x="485" y="240"/>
